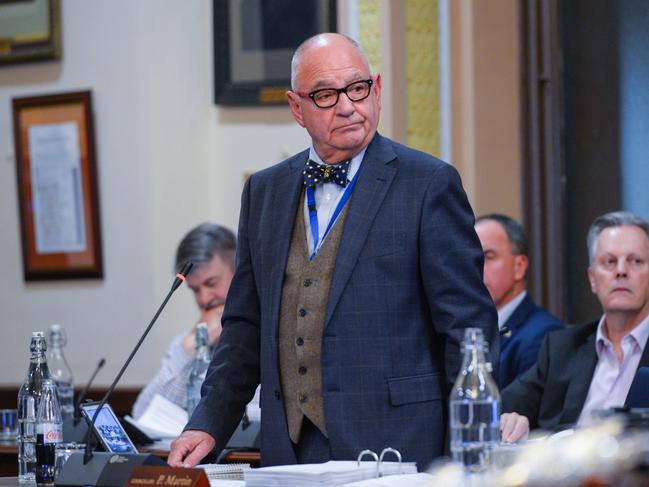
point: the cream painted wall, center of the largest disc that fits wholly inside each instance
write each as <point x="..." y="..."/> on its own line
<point x="485" y="101"/>
<point x="168" y="159"/>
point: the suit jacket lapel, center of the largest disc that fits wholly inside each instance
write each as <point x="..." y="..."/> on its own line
<point x="582" y="367"/>
<point x="517" y="318"/>
<point x="377" y="173"/>
<point x="285" y="203"/>
<point x="644" y="358"/>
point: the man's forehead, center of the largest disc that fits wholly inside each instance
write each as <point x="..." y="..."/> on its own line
<point x="491" y="228"/>
<point x="327" y="80"/>
<point x="326" y="65"/>
<point x="622" y="239"/>
<point x="206" y="270"/>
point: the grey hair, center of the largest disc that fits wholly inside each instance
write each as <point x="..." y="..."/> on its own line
<point x="513" y="229"/>
<point x="203" y="242"/>
<point x="312" y="42"/>
<point x="613" y="219"/>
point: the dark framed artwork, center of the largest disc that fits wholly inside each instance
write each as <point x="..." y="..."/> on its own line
<point x="254" y="41"/>
<point x="30" y="30"/>
<point x="57" y="186"/>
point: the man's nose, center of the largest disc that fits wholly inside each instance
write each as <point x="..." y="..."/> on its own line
<point x="621" y="269"/>
<point x="202" y="297"/>
<point x="345" y="106"/>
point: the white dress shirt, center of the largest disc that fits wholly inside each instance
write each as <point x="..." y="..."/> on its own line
<point x="505" y="312"/>
<point x="612" y="378"/>
<point x="327" y="196"/>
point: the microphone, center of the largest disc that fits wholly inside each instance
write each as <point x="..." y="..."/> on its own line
<point x="85" y="472"/>
<point x="82" y="394"/>
<point x="180" y="277"/>
<point x="74" y="430"/>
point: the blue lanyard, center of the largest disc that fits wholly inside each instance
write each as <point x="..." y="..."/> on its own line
<point x="313" y="212"/>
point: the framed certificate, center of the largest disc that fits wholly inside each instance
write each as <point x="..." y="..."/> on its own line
<point x="57" y="186"/>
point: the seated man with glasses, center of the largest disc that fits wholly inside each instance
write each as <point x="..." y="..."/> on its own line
<point x="358" y="271"/>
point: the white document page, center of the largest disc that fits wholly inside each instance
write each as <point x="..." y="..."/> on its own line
<point x="162" y="419"/>
<point x="56" y="188"/>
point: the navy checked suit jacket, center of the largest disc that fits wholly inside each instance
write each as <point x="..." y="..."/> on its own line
<point x="407" y="282"/>
<point x="519" y="348"/>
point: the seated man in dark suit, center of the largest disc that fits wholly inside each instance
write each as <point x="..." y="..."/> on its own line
<point x="590" y="367"/>
<point x="523" y="325"/>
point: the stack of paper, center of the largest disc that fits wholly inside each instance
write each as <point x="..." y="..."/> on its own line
<point x="409" y="480"/>
<point x="224" y="471"/>
<point x="332" y="473"/>
<point x="161" y="419"/>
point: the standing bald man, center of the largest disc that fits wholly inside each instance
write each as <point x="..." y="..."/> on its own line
<point x="358" y="270"/>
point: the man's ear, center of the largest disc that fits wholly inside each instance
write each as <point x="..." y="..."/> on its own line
<point x="591" y="279"/>
<point x="294" y="103"/>
<point x="377" y="88"/>
<point x="521" y="263"/>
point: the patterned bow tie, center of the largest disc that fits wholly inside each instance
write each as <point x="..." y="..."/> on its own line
<point x="315" y="173"/>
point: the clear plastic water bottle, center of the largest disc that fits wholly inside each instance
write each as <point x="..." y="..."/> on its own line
<point x="198" y="368"/>
<point x="60" y="370"/>
<point x="49" y="433"/>
<point x="474" y="407"/>
<point x="29" y="397"/>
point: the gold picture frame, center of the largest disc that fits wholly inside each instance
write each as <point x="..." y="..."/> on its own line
<point x="30" y="30"/>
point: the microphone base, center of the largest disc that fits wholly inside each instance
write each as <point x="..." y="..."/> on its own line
<point x="103" y="469"/>
<point x="76" y="433"/>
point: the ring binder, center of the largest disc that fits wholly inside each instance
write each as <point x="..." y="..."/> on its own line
<point x="379" y="460"/>
<point x="373" y="455"/>
<point x="388" y="450"/>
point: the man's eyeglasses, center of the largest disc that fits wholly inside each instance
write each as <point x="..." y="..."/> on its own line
<point x="328" y="97"/>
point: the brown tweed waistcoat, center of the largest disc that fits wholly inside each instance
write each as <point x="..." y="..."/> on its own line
<point x="303" y="305"/>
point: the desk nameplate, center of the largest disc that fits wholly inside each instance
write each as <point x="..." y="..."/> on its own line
<point x="145" y="476"/>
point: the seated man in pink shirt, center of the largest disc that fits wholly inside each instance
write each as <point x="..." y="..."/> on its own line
<point x="586" y="368"/>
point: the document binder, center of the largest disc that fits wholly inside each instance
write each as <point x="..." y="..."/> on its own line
<point x="329" y="474"/>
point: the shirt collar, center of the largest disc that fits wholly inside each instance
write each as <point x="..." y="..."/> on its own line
<point x="505" y="312"/>
<point x="353" y="165"/>
<point x="639" y="334"/>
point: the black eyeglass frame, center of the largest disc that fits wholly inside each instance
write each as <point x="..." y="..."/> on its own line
<point x="338" y="91"/>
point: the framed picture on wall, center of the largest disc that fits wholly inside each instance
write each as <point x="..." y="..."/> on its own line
<point x="254" y="41"/>
<point x="30" y="30"/>
<point x="57" y="186"/>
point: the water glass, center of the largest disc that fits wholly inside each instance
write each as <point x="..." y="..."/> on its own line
<point x="8" y="424"/>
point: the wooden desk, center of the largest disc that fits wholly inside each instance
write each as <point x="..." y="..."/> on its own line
<point x="251" y="457"/>
<point x="9" y="458"/>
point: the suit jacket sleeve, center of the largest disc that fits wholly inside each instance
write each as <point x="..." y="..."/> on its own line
<point x="451" y="266"/>
<point x="529" y="355"/>
<point x="233" y="374"/>
<point x="523" y="396"/>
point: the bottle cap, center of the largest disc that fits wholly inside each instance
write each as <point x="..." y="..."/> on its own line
<point x="56" y="335"/>
<point x="38" y="343"/>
